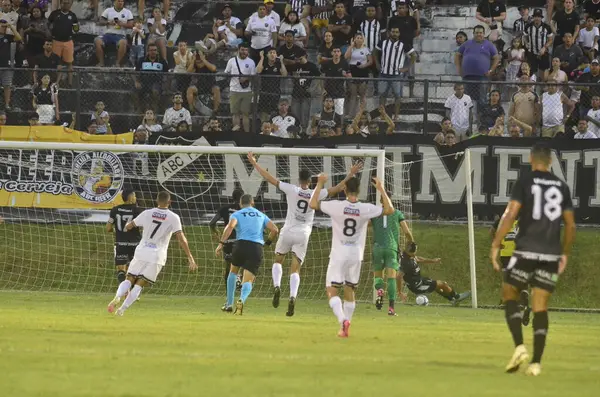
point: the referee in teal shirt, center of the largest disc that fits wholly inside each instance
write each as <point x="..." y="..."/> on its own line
<point x="249" y="224"/>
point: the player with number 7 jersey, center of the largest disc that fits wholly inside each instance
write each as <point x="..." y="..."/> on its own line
<point x="297" y="228"/>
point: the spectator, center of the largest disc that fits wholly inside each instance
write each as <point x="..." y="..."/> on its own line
<point x="459" y="108"/>
<point x="149" y="83"/>
<point x="240" y="89"/>
<point x="372" y="126"/>
<point x="35" y="33"/>
<point x="591" y="8"/>
<point x="28" y="5"/>
<point x="270" y="87"/>
<point x="520" y="24"/>
<point x="514" y="131"/>
<point x="262" y="31"/>
<point x="205" y="84"/>
<point x="524" y="105"/>
<point x="340" y="25"/>
<point x="101" y="118"/>
<point x="391" y="59"/>
<point x="157" y="28"/>
<point x="34" y="120"/>
<point x="137" y="42"/>
<point x="588" y="38"/>
<point x="92" y="129"/>
<point x="229" y="28"/>
<point x="446" y="126"/>
<point x="515" y="57"/>
<point x="46" y="61"/>
<point x="489" y="113"/>
<point x="326" y="49"/>
<point x="212" y="125"/>
<point x="526" y="71"/>
<point x="291" y="52"/>
<point x="520" y="130"/>
<point x="360" y="59"/>
<point x="45" y="101"/>
<point x="556" y="74"/>
<point x="450" y="138"/>
<point x="593" y="116"/>
<point x="553" y="120"/>
<point x="321" y="12"/>
<point x="583" y="132"/>
<point x="266" y="128"/>
<point x="590" y="87"/>
<point x="497" y="129"/>
<point x="538" y="39"/>
<point x="12" y="20"/>
<point x="334" y="85"/>
<point x="149" y="123"/>
<point x="475" y="60"/>
<point x="140" y="137"/>
<point x="142" y="6"/>
<point x="301" y="92"/>
<point x="283" y="120"/>
<point x="569" y="54"/>
<point x="293" y="24"/>
<point x="565" y="21"/>
<point x="371" y="29"/>
<point x="176" y="114"/>
<point x="6" y="75"/>
<point x="2" y="118"/>
<point x="269" y="13"/>
<point x="64" y="25"/>
<point x="118" y="20"/>
<point x="184" y="60"/>
<point x="492" y="13"/>
<point x="460" y="38"/>
<point x="182" y="128"/>
<point x="406" y="23"/>
<point x="327" y="122"/>
<point x="303" y="9"/>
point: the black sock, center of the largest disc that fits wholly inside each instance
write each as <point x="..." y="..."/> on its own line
<point x="121" y="276"/>
<point x="450" y="295"/>
<point x="540" y="330"/>
<point x="391" y="303"/>
<point x="513" y="319"/>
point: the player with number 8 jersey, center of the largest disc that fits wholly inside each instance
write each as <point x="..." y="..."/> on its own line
<point x="349" y="220"/>
<point x="297" y="228"/>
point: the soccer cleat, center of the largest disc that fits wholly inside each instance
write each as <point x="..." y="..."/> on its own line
<point x="238" y="284"/>
<point x="379" y="300"/>
<point x="534" y="369"/>
<point x="120" y="312"/>
<point x="461" y="297"/>
<point x="391" y="312"/>
<point x="291" y="307"/>
<point x="276" y="295"/>
<point x="526" y="316"/>
<point x="345" y="331"/>
<point x="113" y="304"/>
<point x="524" y="304"/>
<point x="226" y="308"/>
<point x="519" y="357"/>
<point x="239" y="308"/>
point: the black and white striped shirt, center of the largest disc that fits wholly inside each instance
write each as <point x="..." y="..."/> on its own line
<point x="298" y="5"/>
<point x="392" y="56"/>
<point x="372" y="32"/>
<point x="325" y="14"/>
<point x="520" y="25"/>
<point x="537" y="37"/>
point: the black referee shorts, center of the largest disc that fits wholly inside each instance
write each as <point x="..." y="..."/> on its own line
<point x="248" y="255"/>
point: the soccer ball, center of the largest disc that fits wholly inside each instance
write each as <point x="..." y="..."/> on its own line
<point x="422" y="300"/>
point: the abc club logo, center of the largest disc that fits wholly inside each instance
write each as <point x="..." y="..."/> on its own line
<point x="98" y="176"/>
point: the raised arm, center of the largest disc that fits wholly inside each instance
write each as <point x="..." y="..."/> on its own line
<point x="264" y="173"/>
<point x="332" y="191"/>
<point x="183" y="243"/>
<point x="406" y="231"/>
<point x="388" y="208"/>
<point x="314" y="199"/>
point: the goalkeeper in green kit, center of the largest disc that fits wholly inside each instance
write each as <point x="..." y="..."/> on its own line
<point x="386" y="236"/>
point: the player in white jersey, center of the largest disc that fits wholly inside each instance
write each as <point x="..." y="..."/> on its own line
<point x="158" y="225"/>
<point x="349" y="220"/>
<point x="297" y="227"/>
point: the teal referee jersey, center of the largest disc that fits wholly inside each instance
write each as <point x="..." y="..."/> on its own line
<point x="251" y="224"/>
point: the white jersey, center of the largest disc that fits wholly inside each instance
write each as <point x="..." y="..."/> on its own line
<point x="262" y="30"/>
<point x="349" y="222"/>
<point x="299" y="216"/>
<point x="158" y="224"/>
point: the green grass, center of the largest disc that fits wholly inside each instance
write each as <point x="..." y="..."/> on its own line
<point x="67" y="345"/>
<point x="37" y="257"/>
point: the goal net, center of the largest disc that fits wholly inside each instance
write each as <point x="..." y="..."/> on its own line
<point x="55" y="200"/>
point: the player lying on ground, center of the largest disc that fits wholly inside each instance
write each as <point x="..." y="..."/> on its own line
<point x="506" y="252"/>
<point x="410" y="271"/>
<point x="224" y="213"/>
<point x="125" y="241"/>
<point x="541" y="201"/>
<point x="158" y="225"/>
<point x="386" y="236"/>
<point x="297" y="227"/>
<point x="349" y="220"/>
<point x="249" y="225"/>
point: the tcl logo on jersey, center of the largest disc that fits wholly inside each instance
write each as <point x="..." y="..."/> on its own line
<point x="250" y="214"/>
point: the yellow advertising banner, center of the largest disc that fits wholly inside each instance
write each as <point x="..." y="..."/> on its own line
<point x="56" y="178"/>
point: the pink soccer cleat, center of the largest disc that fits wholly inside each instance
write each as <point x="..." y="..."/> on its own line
<point x="344" y="332"/>
<point x="113" y="304"/>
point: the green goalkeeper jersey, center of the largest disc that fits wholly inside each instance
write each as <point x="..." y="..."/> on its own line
<point x="386" y="230"/>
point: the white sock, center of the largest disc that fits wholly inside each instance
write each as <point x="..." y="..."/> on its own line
<point x="277" y="273"/>
<point x="335" y="303"/>
<point x="132" y="297"/>
<point x="123" y="288"/>
<point x="294" y="284"/>
<point x="349" y="309"/>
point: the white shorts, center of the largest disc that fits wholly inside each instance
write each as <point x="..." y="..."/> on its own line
<point x="146" y="270"/>
<point x="293" y="241"/>
<point x="343" y="271"/>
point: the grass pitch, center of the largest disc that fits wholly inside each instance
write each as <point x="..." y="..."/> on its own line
<point x="67" y="345"/>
